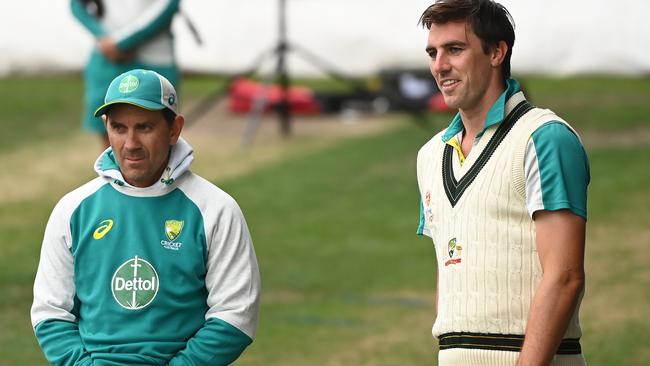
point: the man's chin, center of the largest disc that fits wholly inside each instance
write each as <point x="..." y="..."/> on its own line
<point x="135" y="179"/>
<point x="450" y="102"/>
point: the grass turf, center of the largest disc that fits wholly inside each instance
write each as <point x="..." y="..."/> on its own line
<point x="346" y="281"/>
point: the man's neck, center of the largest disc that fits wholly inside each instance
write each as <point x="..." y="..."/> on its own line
<point x="474" y="118"/>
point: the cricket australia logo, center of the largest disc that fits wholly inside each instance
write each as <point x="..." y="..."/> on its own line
<point x="135" y="284"/>
<point x="173" y="229"/>
<point x="454" y="250"/>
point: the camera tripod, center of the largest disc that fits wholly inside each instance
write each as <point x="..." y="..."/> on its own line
<point x="281" y="75"/>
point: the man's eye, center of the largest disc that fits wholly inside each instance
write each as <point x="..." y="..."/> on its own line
<point x="455" y="50"/>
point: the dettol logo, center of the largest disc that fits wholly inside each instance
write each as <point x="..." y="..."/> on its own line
<point x="128" y="84"/>
<point x="135" y="284"/>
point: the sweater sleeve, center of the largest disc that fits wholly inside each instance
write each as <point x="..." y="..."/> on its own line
<point x="53" y="315"/>
<point x="216" y="343"/>
<point x="157" y="17"/>
<point x="61" y="343"/>
<point x="88" y="21"/>
<point x="422" y="166"/>
<point x="233" y="284"/>
<point x="557" y="171"/>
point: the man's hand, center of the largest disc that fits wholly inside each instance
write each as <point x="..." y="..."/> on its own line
<point x="108" y="48"/>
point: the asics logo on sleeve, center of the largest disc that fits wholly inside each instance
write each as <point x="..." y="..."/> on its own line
<point x="104" y="227"/>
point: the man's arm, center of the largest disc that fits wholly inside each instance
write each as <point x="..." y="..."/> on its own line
<point x="108" y="47"/>
<point x="88" y="21"/>
<point x="216" y="343"/>
<point x="104" y="43"/>
<point x="233" y="284"/>
<point x="557" y="175"/>
<point x="157" y="16"/>
<point x="52" y="312"/>
<point x="61" y="343"/>
<point x="560" y="240"/>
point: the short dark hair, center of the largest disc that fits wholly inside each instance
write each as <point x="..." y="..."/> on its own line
<point x="169" y="115"/>
<point x="490" y="21"/>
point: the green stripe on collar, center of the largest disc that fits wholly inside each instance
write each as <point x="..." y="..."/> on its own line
<point x="495" y="115"/>
<point x="455" y="188"/>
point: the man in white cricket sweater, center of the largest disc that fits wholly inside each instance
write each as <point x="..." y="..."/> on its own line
<point x="503" y="197"/>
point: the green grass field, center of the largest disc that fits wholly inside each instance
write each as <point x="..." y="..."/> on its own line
<point x="345" y="279"/>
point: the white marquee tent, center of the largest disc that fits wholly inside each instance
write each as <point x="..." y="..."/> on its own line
<point x="557" y="37"/>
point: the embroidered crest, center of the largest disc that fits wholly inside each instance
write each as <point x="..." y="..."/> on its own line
<point x="173" y="229"/>
<point x="454" y="250"/>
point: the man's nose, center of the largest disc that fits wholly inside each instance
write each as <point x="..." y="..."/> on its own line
<point x="439" y="65"/>
<point x="132" y="140"/>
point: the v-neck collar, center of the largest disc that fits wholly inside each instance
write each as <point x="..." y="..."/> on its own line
<point x="454" y="188"/>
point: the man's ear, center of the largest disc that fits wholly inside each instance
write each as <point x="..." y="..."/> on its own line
<point x="104" y="119"/>
<point x="498" y="54"/>
<point x="176" y="128"/>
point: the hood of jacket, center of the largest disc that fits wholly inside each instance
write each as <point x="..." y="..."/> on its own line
<point x="180" y="158"/>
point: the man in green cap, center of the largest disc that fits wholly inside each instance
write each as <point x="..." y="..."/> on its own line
<point x="147" y="264"/>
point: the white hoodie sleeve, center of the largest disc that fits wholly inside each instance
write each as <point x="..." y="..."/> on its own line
<point x="54" y="288"/>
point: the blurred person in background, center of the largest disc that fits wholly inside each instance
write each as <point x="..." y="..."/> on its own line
<point x="129" y="34"/>
<point x="504" y="197"/>
<point x="147" y="264"/>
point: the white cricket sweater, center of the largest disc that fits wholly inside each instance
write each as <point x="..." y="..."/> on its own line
<point x="476" y="215"/>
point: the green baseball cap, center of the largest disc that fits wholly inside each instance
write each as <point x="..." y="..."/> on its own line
<point x="143" y="88"/>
